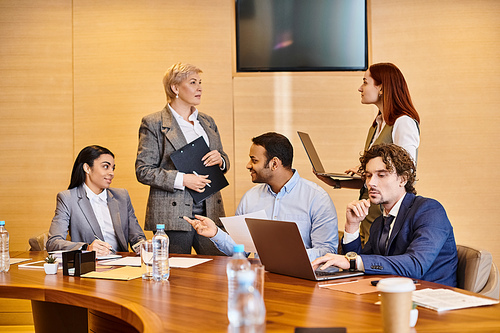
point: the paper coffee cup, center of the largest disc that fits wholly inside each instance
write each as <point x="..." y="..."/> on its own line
<point x="396" y="303"/>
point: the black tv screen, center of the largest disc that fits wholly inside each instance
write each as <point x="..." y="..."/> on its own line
<point x="301" y="35"/>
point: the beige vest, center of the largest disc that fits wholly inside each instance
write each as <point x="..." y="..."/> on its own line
<point x="384" y="137"/>
<point x="374" y="210"/>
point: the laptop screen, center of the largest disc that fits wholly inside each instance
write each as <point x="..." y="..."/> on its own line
<point x="281" y="249"/>
<point x="311" y="152"/>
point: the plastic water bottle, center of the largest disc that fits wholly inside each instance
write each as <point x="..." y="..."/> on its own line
<point x="4" y="248"/>
<point x="247" y="309"/>
<point x="161" y="268"/>
<point x="238" y="262"/>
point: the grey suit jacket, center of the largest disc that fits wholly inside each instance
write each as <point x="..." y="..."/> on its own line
<point x="159" y="136"/>
<point x="74" y="214"/>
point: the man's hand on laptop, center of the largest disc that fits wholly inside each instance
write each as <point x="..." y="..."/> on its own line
<point x="331" y="259"/>
<point x="203" y="225"/>
<point x="325" y="179"/>
<point x="353" y="171"/>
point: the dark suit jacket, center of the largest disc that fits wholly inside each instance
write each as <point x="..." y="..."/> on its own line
<point x="160" y="136"/>
<point x="421" y="245"/>
<point x="74" y="214"/>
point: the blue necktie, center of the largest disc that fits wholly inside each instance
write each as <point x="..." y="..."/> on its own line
<point x="385" y="233"/>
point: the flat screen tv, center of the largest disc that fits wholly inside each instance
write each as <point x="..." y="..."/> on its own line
<point x="301" y="35"/>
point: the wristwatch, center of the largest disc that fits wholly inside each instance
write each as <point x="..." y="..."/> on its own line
<point x="351" y="256"/>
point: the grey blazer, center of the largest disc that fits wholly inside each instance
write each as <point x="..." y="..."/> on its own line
<point x="74" y="214"/>
<point x="159" y="136"/>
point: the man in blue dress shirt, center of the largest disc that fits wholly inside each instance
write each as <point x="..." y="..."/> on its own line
<point x="284" y="196"/>
<point x="413" y="237"/>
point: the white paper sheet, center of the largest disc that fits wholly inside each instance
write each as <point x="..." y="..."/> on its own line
<point x="14" y="261"/>
<point x="176" y="262"/>
<point x="181" y="262"/>
<point x="36" y="264"/>
<point x="237" y="228"/>
<point x="125" y="261"/>
<point x="445" y="299"/>
<point x="58" y="255"/>
<point x="109" y="256"/>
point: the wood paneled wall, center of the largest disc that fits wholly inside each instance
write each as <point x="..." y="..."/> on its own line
<point x="75" y="73"/>
<point x="121" y="52"/>
<point x="450" y="56"/>
<point x="448" y="51"/>
<point x="36" y="112"/>
<point x="80" y="72"/>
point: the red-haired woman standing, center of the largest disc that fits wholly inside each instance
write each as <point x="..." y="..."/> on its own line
<point x="397" y="122"/>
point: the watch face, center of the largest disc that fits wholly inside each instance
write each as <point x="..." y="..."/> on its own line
<point x="351" y="255"/>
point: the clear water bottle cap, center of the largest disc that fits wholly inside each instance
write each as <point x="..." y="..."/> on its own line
<point x="2" y="223"/>
<point x="239" y="248"/>
<point x="160" y="226"/>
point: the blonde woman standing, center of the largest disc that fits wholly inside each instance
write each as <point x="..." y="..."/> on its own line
<point x="162" y="133"/>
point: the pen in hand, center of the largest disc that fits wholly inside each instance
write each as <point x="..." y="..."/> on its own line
<point x="196" y="174"/>
<point x="110" y="249"/>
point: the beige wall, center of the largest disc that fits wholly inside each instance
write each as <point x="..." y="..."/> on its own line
<point x="121" y="51"/>
<point x="36" y="113"/>
<point x="84" y="72"/>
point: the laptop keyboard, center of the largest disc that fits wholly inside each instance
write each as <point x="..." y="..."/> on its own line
<point x="327" y="271"/>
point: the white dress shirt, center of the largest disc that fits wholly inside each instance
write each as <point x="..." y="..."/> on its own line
<point x="191" y="132"/>
<point x="99" y="203"/>
<point x="349" y="237"/>
<point x="404" y="134"/>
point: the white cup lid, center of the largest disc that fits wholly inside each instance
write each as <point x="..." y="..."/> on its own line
<point x="395" y="285"/>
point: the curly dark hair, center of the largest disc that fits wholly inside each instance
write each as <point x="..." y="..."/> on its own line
<point x="396" y="159"/>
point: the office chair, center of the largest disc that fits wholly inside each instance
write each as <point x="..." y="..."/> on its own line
<point x="339" y="248"/>
<point x="37" y="242"/>
<point x="477" y="272"/>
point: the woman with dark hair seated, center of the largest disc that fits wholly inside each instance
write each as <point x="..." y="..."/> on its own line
<point x="98" y="218"/>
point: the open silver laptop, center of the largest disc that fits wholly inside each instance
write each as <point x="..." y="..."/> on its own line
<point x="316" y="162"/>
<point x="281" y="250"/>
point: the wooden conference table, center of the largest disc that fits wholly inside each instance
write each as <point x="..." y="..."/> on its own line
<point x="194" y="300"/>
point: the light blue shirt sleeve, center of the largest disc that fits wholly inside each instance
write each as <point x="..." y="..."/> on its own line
<point x="223" y="242"/>
<point x="324" y="235"/>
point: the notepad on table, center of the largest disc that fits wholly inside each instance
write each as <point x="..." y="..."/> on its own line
<point x="123" y="273"/>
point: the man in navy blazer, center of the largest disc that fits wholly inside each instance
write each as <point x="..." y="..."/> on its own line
<point x="418" y="240"/>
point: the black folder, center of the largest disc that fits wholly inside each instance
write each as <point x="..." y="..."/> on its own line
<point x="188" y="159"/>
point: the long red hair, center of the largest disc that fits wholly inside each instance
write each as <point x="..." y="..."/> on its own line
<point x="396" y="96"/>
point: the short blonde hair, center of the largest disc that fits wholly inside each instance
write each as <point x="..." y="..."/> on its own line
<point x="175" y="75"/>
